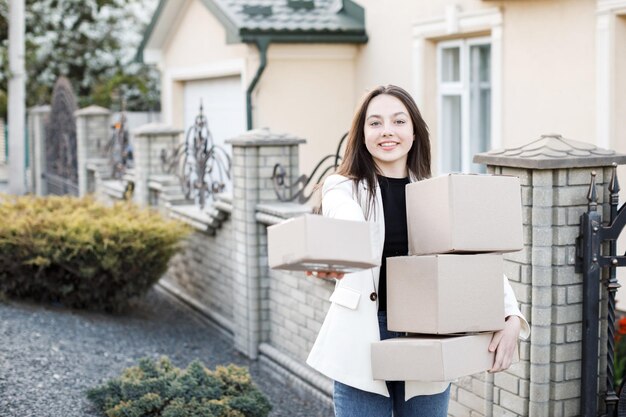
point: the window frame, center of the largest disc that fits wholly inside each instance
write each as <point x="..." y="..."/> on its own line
<point x="462" y="89"/>
<point x="454" y="22"/>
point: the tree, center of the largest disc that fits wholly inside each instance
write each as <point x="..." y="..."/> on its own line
<point x="92" y="43"/>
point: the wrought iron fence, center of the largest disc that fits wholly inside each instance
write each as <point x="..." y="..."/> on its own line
<point x="58" y="185"/>
<point x="297" y="190"/>
<point x="61" y="168"/>
<point x="203" y="167"/>
<point x="591" y="262"/>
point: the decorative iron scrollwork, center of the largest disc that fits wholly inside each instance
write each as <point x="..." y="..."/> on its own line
<point x="119" y="149"/>
<point x="61" y="169"/>
<point x="204" y="167"/>
<point x="171" y="160"/>
<point x="296" y="190"/>
<point x="591" y="259"/>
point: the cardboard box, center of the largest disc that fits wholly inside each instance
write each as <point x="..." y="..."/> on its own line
<point x="464" y="213"/>
<point x="313" y="242"/>
<point x="431" y="358"/>
<point x="443" y="294"/>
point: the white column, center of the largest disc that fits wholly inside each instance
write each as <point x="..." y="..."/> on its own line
<point x="92" y="129"/>
<point x="604" y="78"/>
<point x="38" y="117"/>
<point x="17" y="169"/>
<point x="149" y="141"/>
<point x="496" y="87"/>
<point x="254" y="155"/>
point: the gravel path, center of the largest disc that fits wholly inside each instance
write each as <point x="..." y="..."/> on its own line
<point x="50" y="355"/>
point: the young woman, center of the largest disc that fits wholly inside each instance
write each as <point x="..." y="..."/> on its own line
<point x="388" y="147"/>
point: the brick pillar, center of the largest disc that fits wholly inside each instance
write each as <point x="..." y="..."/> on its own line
<point x="148" y="142"/>
<point x="37" y="120"/>
<point x="92" y="135"/>
<point x="555" y="177"/>
<point x="254" y="155"/>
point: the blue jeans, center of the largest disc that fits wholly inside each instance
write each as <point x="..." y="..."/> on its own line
<point x="353" y="402"/>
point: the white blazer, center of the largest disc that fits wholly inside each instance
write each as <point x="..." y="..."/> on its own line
<point x="342" y="348"/>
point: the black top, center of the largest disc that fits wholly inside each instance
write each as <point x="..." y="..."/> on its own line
<point x="393" y="195"/>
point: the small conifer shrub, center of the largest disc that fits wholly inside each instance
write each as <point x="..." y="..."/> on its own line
<point x="81" y="253"/>
<point x="159" y="389"/>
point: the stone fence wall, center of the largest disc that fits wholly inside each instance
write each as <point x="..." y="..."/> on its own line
<point x="3" y="143"/>
<point x="4" y="169"/>
<point x="203" y="272"/>
<point x="274" y="316"/>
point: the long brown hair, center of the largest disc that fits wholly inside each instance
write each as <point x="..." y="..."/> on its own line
<point x="358" y="163"/>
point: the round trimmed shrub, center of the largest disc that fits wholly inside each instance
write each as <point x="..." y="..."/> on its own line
<point x="159" y="389"/>
<point x="81" y="253"/>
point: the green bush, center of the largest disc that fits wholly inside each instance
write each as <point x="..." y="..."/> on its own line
<point x="158" y="389"/>
<point x="81" y="253"/>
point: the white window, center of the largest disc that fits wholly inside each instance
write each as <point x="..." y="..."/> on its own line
<point x="464" y="100"/>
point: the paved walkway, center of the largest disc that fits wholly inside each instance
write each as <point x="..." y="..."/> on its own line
<point x="49" y="355"/>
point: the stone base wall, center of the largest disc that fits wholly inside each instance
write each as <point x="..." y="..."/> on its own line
<point x="203" y="271"/>
<point x="298" y="305"/>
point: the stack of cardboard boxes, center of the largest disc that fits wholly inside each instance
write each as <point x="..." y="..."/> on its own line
<point x="448" y="293"/>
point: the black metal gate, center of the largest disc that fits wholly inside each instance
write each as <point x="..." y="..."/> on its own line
<point x="591" y="261"/>
<point x="61" y="169"/>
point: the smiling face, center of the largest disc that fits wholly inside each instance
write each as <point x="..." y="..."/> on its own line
<point x="388" y="132"/>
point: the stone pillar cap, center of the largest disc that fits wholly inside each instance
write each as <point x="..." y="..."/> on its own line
<point x="92" y="111"/>
<point x="156" y="129"/>
<point x="551" y="151"/>
<point x="264" y="137"/>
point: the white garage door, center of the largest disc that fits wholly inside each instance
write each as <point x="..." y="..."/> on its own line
<point x="223" y="100"/>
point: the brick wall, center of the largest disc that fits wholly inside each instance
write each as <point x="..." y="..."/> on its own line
<point x="203" y="271"/>
<point x="546" y="381"/>
<point x="149" y="142"/>
<point x="92" y="134"/>
<point x="298" y="306"/>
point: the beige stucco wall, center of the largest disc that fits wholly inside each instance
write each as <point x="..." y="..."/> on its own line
<point x="549" y="70"/>
<point x="196" y="49"/>
<point x="199" y="39"/>
<point x="547" y="84"/>
<point x="307" y="90"/>
<point x="619" y="139"/>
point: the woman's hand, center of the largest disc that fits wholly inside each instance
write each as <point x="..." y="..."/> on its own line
<point x="325" y="274"/>
<point x="504" y="343"/>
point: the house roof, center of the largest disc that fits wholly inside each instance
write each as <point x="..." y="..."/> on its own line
<point x="304" y="21"/>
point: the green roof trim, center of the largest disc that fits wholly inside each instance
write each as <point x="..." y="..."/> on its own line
<point x="321" y="24"/>
<point x="303" y="37"/>
<point x="149" y="30"/>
